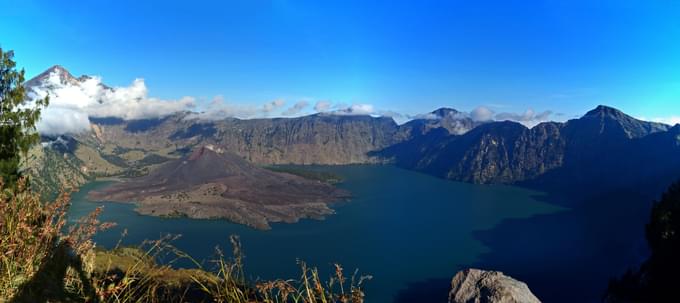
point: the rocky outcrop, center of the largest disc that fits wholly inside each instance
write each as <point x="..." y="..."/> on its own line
<point x="480" y="286"/>
<point x="499" y="152"/>
<point x="315" y="139"/>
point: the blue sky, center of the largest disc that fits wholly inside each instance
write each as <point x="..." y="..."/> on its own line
<point x="409" y="57"/>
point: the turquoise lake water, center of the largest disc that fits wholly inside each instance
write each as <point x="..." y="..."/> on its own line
<point x="401" y="227"/>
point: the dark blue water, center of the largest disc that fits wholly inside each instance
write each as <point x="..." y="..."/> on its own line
<point x="401" y="227"/>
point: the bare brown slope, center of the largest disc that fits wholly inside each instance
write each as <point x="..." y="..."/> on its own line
<point x="213" y="184"/>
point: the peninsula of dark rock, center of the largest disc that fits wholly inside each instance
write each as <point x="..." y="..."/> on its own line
<point x="211" y="183"/>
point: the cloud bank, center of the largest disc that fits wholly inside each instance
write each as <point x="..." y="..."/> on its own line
<point x="354" y="110"/>
<point x="73" y="102"/>
<point x="528" y="118"/>
<point x="296" y="109"/>
<point x="273" y="105"/>
<point x="322" y="106"/>
<point x="482" y="114"/>
<point x="672" y="120"/>
<point x="220" y="109"/>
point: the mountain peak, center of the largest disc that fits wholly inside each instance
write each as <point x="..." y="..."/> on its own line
<point x="444" y="111"/>
<point x="605" y="111"/>
<point x="62" y="73"/>
<point x="604" y="118"/>
<point x="58" y="68"/>
<point x="205" y="151"/>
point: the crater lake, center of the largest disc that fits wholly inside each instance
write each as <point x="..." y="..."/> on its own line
<point x="402" y="227"/>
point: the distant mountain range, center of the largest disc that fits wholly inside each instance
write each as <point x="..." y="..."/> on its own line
<point x="605" y="148"/>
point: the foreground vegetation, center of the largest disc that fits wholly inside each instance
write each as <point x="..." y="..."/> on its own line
<point x="44" y="260"/>
<point x="656" y="279"/>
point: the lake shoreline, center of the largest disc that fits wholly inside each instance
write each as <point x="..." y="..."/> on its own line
<point x="395" y="217"/>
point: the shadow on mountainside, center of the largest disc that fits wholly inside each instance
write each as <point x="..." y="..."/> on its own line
<point x="570" y="256"/>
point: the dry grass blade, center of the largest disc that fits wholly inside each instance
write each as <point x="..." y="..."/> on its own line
<point x="41" y="261"/>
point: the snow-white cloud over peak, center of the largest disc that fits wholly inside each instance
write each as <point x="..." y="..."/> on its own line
<point x="73" y="101"/>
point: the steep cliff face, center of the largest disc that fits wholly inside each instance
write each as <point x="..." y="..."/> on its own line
<point x="499" y="152"/>
<point x="539" y="150"/>
<point x="52" y="166"/>
<point x="484" y="155"/>
<point x="604" y="147"/>
<point x="315" y="139"/>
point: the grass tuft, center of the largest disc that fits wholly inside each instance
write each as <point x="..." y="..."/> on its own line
<point x="41" y="260"/>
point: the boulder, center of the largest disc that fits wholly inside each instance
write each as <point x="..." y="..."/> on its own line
<point x="480" y="286"/>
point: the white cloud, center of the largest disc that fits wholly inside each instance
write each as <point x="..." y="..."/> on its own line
<point x="322" y="106"/>
<point x="482" y="113"/>
<point x="219" y="109"/>
<point x="672" y="120"/>
<point x="73" y="102"/>
<point x="399" y="118"/>
<point x="529" y="118"/>
<point x="296" y="108"/>
<point x="60" y="120"/>
<point x="355" y="110"/>
<point x="428" y="116"/>
<point x="273" y="105"/>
